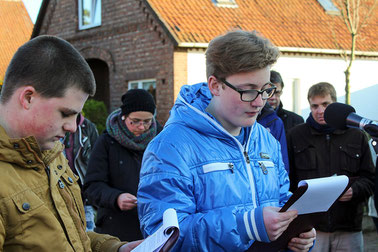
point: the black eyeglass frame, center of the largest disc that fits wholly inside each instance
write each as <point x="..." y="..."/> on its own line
<point x="241" y="91"/>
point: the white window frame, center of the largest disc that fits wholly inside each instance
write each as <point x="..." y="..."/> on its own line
<point x="95" y="9"/>
<point x="140" y="84"/>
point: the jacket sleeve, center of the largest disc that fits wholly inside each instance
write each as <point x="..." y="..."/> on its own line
<point x="281" y="137"/>
<point x="166" y="182"/>
<point x="363" y="187"/>
<point x="93" y="133"/>
<point x="104" y="242"/>
<point x="97" y="187"/>
<point x="2" y="233"/>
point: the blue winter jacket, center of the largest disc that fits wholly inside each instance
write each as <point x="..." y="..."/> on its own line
<point x="217" y="186"/>
<point x="271" y="121"/>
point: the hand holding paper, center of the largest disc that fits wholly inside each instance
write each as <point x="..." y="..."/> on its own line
<point x="275" y="222"/>
<point x="165" y="237"/>
<point x="312" y="200"/>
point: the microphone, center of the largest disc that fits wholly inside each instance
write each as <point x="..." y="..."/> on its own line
<point x="341" y="116"/>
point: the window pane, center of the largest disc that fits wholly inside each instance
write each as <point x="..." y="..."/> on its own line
<point x="89" y="13"/>
<point x="150" y="86"/>
<point x="97" y="17"/>
<point x="133" y="85"/>
<point x="86" y="12"/>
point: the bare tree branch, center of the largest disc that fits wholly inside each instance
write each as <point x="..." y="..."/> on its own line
<point x="355" y="14"/>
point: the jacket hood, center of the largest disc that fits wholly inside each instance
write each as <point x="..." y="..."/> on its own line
<point x="266" y="111"/>
<point x="190" y="110"/>
<point x="25" y="151"/>
<point x="79" y="119"/>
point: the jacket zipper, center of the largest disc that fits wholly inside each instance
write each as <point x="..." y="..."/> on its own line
<point x="249" y="167"/>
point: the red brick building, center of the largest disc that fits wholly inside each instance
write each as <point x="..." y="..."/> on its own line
<point x="147" y="43"/>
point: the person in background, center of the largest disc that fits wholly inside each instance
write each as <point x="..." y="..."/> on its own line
<point x="222" y="172"/>
<point x="372" y="210"/>
<point x="78" y="148"/>
<point x="112" y="178"/>
<point x="318" y="150"/>
<point x="45" y="87"/>
<point x="289" y="119"/>
<point x="269" y="119"/>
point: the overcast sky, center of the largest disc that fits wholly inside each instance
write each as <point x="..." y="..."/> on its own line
<point x="32" y="6"/>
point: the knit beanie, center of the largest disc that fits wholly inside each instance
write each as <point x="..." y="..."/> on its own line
<point x="137" y="100"/>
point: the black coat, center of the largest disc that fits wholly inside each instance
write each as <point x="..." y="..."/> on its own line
<point x="113" y="170"/>
<point x="313" y="154"/>
<point x="289" y="119"/>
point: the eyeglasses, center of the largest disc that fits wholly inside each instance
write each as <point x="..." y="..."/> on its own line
<point x="278" y="93"/>
<point x="138" y="122"/>
<point x="251" y="94"/>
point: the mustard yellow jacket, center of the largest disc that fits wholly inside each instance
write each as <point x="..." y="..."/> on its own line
<point x="40" y="203"/>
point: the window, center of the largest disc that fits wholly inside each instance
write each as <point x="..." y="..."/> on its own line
<point x="329" y="7"/>
<point x="89" y="13"/>
<point x="149" y="85"/>
<point x="225" y="3"/>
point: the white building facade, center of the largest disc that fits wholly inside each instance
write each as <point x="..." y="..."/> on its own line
<point x="300" y="71"/>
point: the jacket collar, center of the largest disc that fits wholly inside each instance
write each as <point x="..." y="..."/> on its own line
<point x="316" y="132"/>
<point x="25" y="151"/>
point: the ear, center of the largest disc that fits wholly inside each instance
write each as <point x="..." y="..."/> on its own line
<point x="27" y="96"/>
<point x="215" y="85"/>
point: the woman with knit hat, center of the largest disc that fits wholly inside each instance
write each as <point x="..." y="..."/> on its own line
<point x="112" y="178"/>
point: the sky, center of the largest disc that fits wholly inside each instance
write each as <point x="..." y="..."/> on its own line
<point x="32" y="6"/>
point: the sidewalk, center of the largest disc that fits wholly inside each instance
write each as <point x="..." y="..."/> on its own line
<point x="371" y="241"/>
<point x="370" y="235"/>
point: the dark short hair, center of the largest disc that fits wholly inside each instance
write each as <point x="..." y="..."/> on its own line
<point x="275" y="77"/>
<point x="239" y="51"/>
<point x="322" y="89"/>
<point x="51" y="65"/>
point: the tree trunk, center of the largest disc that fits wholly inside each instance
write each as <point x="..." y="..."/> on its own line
<point x="347" y="71"/>
<point x="347" y="85"/>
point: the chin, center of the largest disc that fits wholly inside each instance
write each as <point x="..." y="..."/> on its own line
<point x="249" y="122"/>
<point x="47" y="146"/>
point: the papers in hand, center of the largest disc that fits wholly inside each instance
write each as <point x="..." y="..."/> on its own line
<point x="165" y="237"/>
<point x="312" y="200"/>
<point x="320" y="194"/>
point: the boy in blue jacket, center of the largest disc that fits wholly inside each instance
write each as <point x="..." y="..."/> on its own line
<point x="221" y="171"/>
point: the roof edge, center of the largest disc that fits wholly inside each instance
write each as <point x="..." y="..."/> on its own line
<point x="40" y="17"/>
<point x="326" y="51"/>
<point x="293" y="49"/>
<point x="163" y="24"/>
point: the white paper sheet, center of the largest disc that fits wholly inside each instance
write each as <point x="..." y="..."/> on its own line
<point x="320" y="194"/>
<point x="157" y="240"/>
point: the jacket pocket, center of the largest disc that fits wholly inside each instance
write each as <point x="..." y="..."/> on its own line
<point x="350" y="158"/>
<point x="27" y="204"/>
<point x="212" y="167"/>
<point x="266" y="166"/>
<point x="305" y="161"/>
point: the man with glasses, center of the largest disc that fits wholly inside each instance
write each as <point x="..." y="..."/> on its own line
<point x="289" y="119"/>
<point x="221" y="171"/>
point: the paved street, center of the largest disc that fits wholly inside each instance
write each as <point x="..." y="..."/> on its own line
<point x="370" y="235"/>
<point x="371" y="241"/>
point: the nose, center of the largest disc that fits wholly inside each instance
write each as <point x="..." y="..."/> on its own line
<point x="258" y="102"/>
<point x="141" y="126"/>
<point x="321" y="109"/>
<point x="70" y="125"/>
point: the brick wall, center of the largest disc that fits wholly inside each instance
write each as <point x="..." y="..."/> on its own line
<point x="130" y="41"/>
